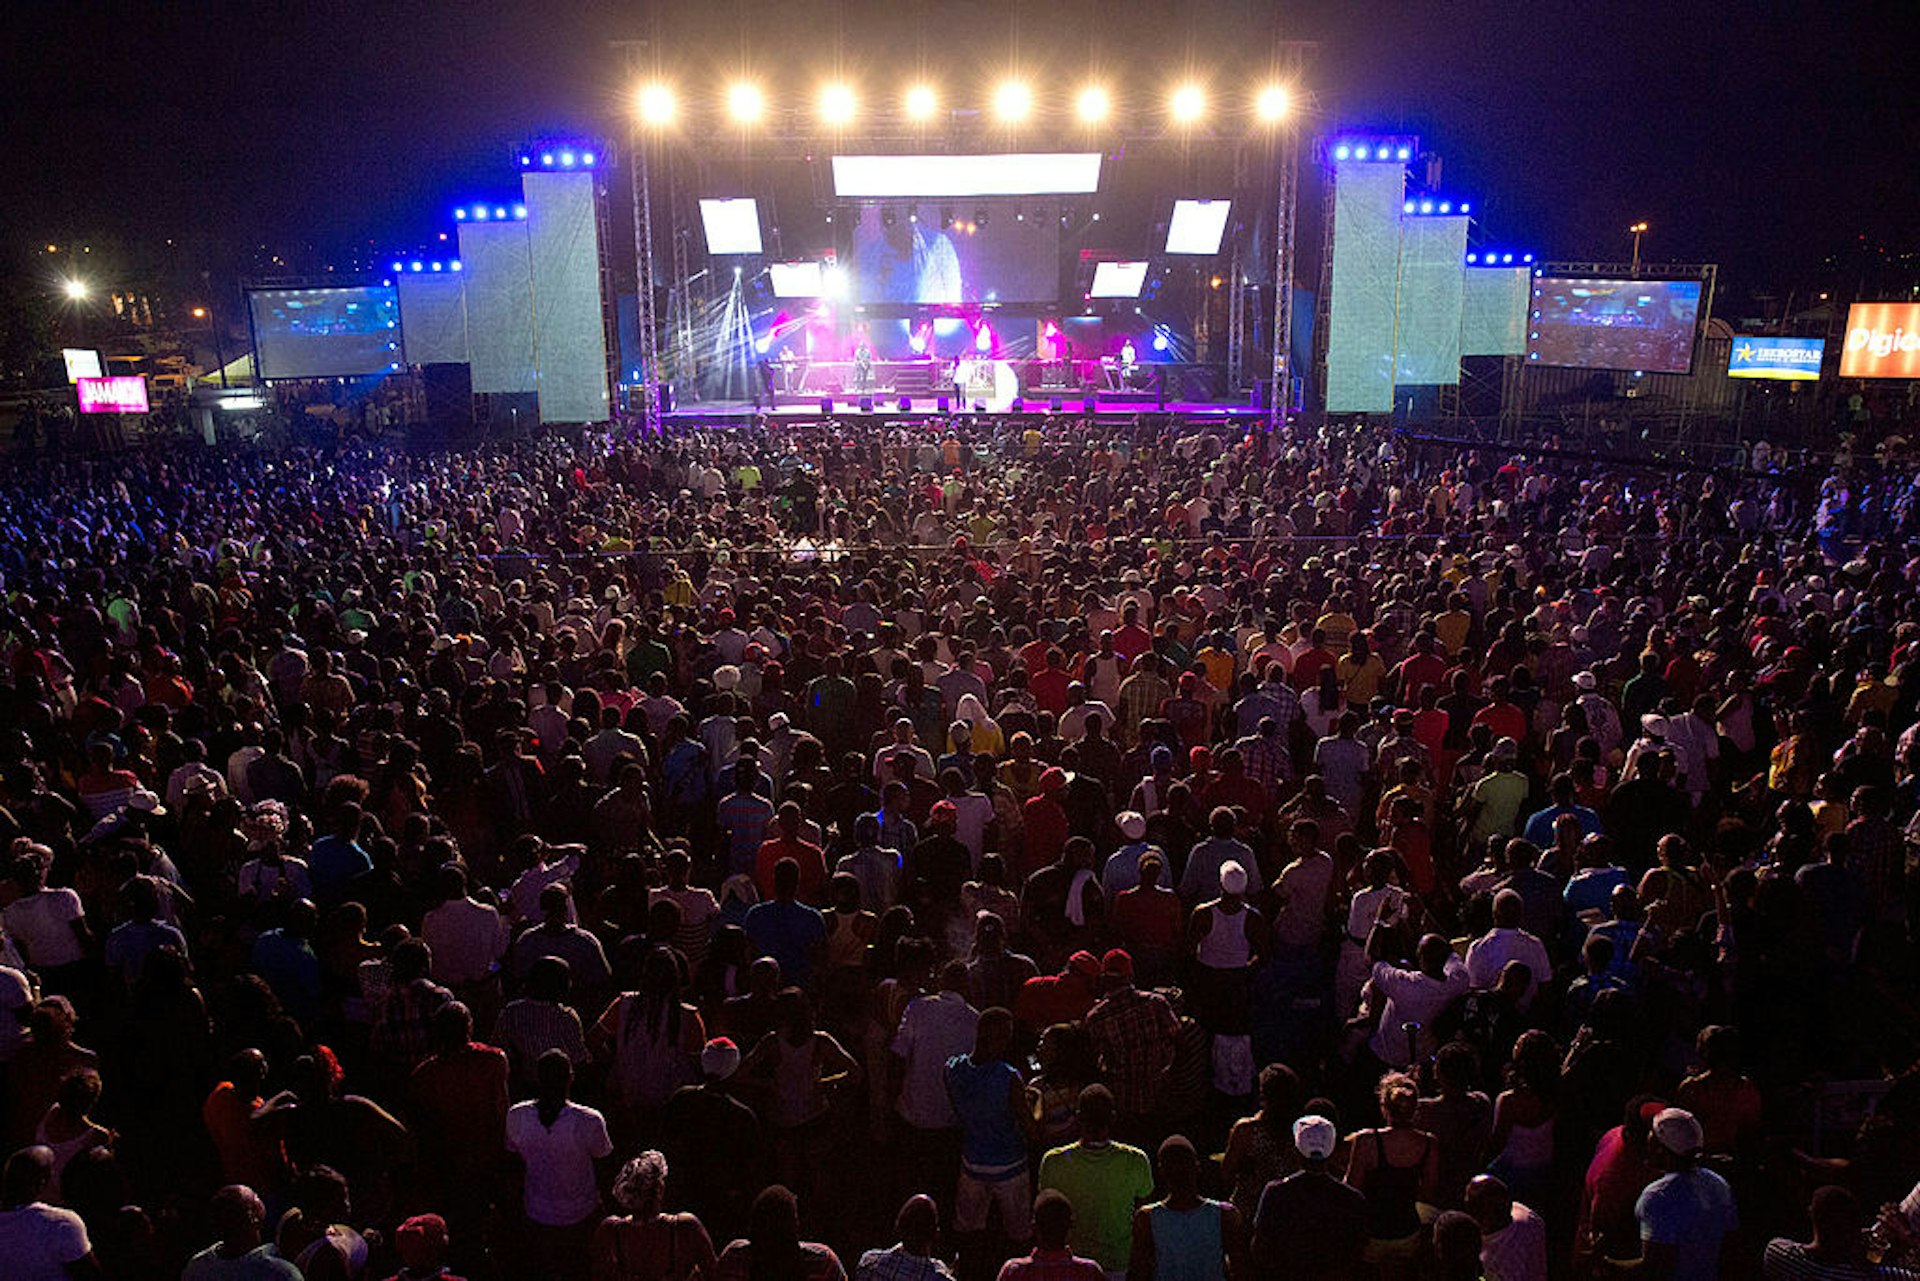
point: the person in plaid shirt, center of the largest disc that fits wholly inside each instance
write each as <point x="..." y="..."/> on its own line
<point x="1134" y="1032"/>
<point x="1141" y="695"/>
<point x="1264" y="756"/>
<point x="1050" y="1259"/>
<point x="911" y="1259"/>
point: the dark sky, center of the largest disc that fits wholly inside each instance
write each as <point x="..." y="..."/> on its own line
<point x="1760" y="136"/>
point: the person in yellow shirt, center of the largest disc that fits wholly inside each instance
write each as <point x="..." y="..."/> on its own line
<point x="1452" y="627"/>
<point x="1218" y="661"/>
<point x="1360" y="670"/>
<point x="1338" y="621"/>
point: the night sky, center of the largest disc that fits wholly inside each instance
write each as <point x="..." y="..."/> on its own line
<point x="1763" y="137"/>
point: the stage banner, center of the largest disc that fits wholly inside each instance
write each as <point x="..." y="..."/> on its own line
<point x="499" y="300"/>
<point x="569" y="325"/>
<point x="1493" y="315"/>
<point x="1883" y="341"/>
<point x="1366" y="267"/>
<point x="433" y="317"/>
<point x="1433" y="254"/>
<point x="1788" y="359"/>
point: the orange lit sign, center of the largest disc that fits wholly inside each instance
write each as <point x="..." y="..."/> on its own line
<point x="1883" y="341"/>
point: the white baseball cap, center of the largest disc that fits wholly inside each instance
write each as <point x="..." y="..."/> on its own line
<point x="1315" y="1137"/>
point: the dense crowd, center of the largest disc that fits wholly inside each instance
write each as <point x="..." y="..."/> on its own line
<point x="987" y="848"/>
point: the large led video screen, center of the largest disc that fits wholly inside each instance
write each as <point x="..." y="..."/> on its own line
<point x="900" y="258"/>
<point x="325" y="333"/>
<point x="1644" y="325"/>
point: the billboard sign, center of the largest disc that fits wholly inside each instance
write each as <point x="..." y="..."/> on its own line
<point x="1883" y="341"/>
<point x="82" y="362"/>
<point x="118" y="395"/>
<point x="1794" y="359"/>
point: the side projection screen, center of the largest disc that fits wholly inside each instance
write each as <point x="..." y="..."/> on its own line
<point x="325" y="333"/>
<point x="1645" y="325"/>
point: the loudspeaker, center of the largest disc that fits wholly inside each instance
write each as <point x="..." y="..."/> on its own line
<point x="906" y="404"/>
<point x="826" y="404"/>
<point x="1055" y="405"/>
<point x="944" y="405"/>
<point x="1018" y="406"/>
<point x="866" y="404"/>
<point x="663" y="393"/>
<point x="448" y="391"/>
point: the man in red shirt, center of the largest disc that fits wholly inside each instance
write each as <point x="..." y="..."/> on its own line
<point x="1045" y="822"/>
<point x="457" y="1102"/>
<point x="788" y="843"/>
<point x="1502" y="715"/>
<point x="1418" y="670"/>
<point x="1058" y="998"/>
<point x="1049" y="684"/>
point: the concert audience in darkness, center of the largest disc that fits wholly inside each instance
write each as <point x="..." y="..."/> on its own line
<point x="987" y="848"/>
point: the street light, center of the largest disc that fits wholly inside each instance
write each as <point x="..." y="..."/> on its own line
<point x="199" y="313"/>
<point x="1638" y="229"/>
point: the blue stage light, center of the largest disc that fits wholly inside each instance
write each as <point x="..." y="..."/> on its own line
<point x="1446" y="206"/>
<point x="1360" y="153"/>
<point x="566" y="160"/>
<point x="500" y="212"/>
<point x="586" y="159"/>
<point x="459" y="215"/>
<point x="1403" y="154"/>
<point x="1341" y="153"/>
<point x="436" y="266"/>
<point x="398" y="267"/>
<point x="1407" y="208"/>
<point x="414" y="265"/>
<point x="480" y="212"/>
<point x="526" y="161"/>
<point x="519" y="211"/>
<point x="1159" y="342"/>
<point x="1506" y="258"/>
<point x="455" y="264"/>
<point x="1465" y="207"/>
<point x="1426" y="206"/>
<point x="1526" y="258"/>
<point x="1473" y="257"/>
<point x="546" y="160"/>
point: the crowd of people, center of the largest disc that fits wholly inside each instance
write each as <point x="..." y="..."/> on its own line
<point x="991" y="847"/>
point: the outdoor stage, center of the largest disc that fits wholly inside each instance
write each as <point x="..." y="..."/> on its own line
<point x="745" y="413"/>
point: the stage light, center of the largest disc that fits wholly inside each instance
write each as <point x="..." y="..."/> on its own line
<point x="834" y="282"/>
<point x="921" y="102"/>
<point x="566" y="160"/>
<point x="917" y="342"/>
<point x="837" y="104"/>
<point x="946" y="217"/>
<point x="586" y="158"/>
<point x="980" y="218"/>
<point x="500" y="212"/>
<point x="1526" y="258"/>
<point x="1342" y="152"/>
<point x="526" y="162"/>
<point x="1273" y="103"/>
<point x="399" y="266"/>
<point x="1361" y="153"/>
<point x="519" y="211"/>
<point x="1506" y="258"/>
<point x="763" y="345"/>
<point x="414" y="265"/>
<point x="460" y="215"/>
<point x="656" y="104"/>
<point x="199" y="313"/>
<point x="1426" y="206"/>
<point x="745" y="103"/>
<point x="480" y="212"/>
<point x="1159" y="340"/>
<point x="1465" y="207"/>
<point x="1446" y="206"/>
<point x="983" y="338"/>
<point x="1402" y="154"/>
<point x="1189" y="104"/>
<point x="1012" y="101"/>
<point x="1092" y="105"/>
<point x="1407" y="208"/>
<point x="1473" y="257"/>
<point x="454" y="265"/>
<point x="546" y="160"/>
<point x="438" y="266"/>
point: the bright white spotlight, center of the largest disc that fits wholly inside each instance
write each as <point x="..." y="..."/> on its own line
<point x="1012" y="101"/>
<point x="656" y="104"/>
<point x="745" y="103"/>
<point x="1189" y="104"/>
<point x="1273" y="103"/>
<point x="837" y="104"/>
<point x="834" y="282"/>
<point x="1093" y="105"/>
<point x="75" y="289"/>
<point x="921" y="102"/>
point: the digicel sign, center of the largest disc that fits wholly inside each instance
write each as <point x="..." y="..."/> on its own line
<point x="1883" y="341"/>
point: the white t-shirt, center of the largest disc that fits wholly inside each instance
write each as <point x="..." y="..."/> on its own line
<point x="1517" y="1252"/>
<point x="560" y="1185"/>
<point x="38" y="1241"/>
<point x="43" y="923"/>
<point x="466" y="938"/>
<point x="933" y="1029"/>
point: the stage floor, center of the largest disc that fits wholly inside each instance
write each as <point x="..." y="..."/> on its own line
<point x="741" y="413"/>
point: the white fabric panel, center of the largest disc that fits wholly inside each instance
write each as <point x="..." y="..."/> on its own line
<point x="499" y="298"/>
<point x="1493" y="315"/>
<point x="433" y="317"/>
<point x="1433" y="266"/>
<point x="1366" y="265"/>
<point x="569" y="331"/>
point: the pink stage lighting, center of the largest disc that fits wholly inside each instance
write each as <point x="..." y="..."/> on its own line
<point x="983" y="338"/>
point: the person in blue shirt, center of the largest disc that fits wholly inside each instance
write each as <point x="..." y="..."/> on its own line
<point x="787" y="930"/>
<point x="1687" y="1216"/>
<point x="989" y="1098"/>
<point x="1539" y="828"/>
<point x="336" y="860"/>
